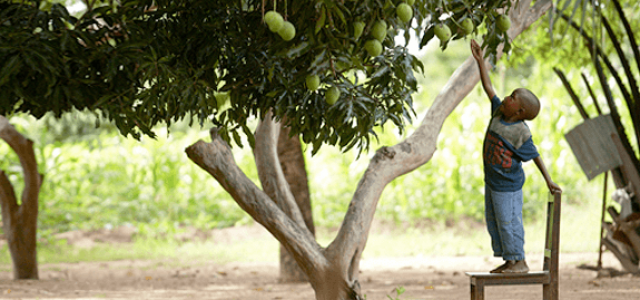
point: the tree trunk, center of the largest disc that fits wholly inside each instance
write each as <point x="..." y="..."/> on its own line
<point x="19" y="221"/>
<point x="293" y="166"/>
<point x="333" y="271"/>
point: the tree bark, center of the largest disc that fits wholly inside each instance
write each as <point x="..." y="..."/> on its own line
<point x="216" y="158"/>
<point x="333" y="272"/>
<point x="293" y="166"/>
<point x="19" y="220"/>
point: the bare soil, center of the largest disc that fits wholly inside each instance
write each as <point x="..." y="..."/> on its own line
<point x="424" y="277"/>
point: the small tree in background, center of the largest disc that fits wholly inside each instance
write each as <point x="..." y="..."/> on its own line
<point x="19" y="218"/>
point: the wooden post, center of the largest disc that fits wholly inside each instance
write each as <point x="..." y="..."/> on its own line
<point x="604" y="208"/>
<point x="552" y="248"/>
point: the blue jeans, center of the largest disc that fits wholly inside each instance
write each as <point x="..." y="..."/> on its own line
<point x="503" y="212"/>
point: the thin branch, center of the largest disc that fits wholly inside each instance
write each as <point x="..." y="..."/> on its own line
<point x="623" y="59"/>
<point x="572" y="94"/>
<point x="593" y="96"/>
<point x="636" y="55"/>
<point x="596" y="53"/>
<point x="630" y="33"/>
<point x="631" y="102"/>
<point x="615" y="116"/>
<point x="605" y="59"/>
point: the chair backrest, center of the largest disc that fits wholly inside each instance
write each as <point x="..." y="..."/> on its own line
<point x="552" y="237"/>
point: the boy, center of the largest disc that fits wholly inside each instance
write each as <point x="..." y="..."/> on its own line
<point x="506" y="145"/>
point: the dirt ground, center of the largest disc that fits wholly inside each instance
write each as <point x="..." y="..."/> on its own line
<point x="422" y="278"/>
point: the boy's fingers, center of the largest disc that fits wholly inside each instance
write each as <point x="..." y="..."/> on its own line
<point x="555" y="189"/>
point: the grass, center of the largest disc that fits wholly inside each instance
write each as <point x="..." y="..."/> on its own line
<point x="148" y="249"/>
<point x="460" y="239"/>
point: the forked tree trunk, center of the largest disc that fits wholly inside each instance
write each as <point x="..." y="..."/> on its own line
<point x="293" y="166"/>
<point x="19" y="221"/>
<point x="333" y="271"/>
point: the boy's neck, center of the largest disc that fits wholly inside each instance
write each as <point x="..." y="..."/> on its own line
<point x="512" y="119"/>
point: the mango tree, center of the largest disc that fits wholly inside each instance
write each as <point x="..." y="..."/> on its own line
<point x="325" y="71"/>
<point x="333" y="271"/>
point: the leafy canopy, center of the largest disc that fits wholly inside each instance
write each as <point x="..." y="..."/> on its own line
<point x="143" y="62"/>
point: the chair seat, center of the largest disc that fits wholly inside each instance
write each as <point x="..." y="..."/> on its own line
<point x="485" y="278"/>
<point x="548" y="277"/>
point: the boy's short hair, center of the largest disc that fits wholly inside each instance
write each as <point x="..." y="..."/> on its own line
<point x="530" y="102"/>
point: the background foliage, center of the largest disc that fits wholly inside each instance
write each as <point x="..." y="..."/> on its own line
<point x="96" y="178"/>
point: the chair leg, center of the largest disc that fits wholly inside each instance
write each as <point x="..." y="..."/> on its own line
<point x="473" y="291"/>
<point x="550" y="291"/>
<point x="477" y="291"/>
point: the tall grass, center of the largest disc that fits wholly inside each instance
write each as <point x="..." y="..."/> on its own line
<point x="432" y="239"/>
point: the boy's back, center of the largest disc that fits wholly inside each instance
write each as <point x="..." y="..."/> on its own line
<point x="506" y="146"/>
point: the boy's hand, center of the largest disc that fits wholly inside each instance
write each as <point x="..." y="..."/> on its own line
<point x="476" y="51"/>
<point x="478" y="54"/>
<point x="553" y="187"/>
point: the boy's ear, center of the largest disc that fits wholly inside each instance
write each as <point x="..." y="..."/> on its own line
<point x="521" y="113"/>
<point x="526" y="115"/>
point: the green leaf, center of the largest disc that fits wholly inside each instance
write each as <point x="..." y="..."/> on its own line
<point x="236" y="138"/>
<point x="380" y="72"/>
<point x="318" y="59"/>
<point x="321" y="20"/>
<point x="428" y="35"/>
<point x="298" y="50"/>
<point x="250" y="137"/>
<point x="340" y="15"/>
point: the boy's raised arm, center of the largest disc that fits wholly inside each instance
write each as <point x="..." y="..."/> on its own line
<point x="484" y="75"/>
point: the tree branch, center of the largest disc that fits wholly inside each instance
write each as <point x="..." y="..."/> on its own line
<point x="572" y="94"/>
<point x="630" y="78"/>
<point x="216" y="158"/>
<point x="32" y="179"/>
<point x="292" y="162"/>
<point x="630" y="34"/>
<point x="597" y="53"/>
<point x="270" y="171"/>
<point x="8" y="201"/>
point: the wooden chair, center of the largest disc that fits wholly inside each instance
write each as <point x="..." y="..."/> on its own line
<point x="548" y="277"/>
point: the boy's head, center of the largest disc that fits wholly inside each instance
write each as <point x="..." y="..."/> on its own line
<point x="522" y="104"/>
